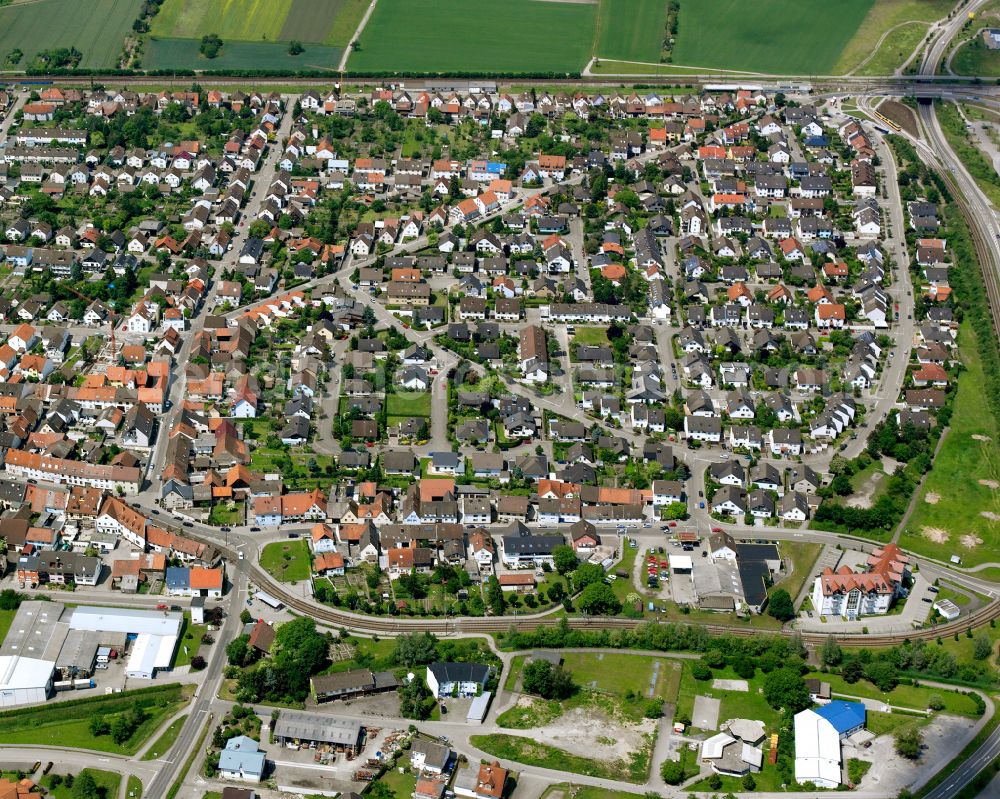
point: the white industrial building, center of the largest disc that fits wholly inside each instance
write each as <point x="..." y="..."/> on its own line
<point x="818" y="734"/>
<point x="24" y="680"/>
<point x="156" y="633"/>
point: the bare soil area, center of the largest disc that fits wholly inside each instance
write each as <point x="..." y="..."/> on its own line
<point x="590" y="732"/>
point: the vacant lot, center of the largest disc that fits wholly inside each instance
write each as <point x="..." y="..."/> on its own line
<point x="183" y="54"/>
<point x="803" y="37"/>
<point x="965" y="519"/>
<point x="631" y="30"/>
<point x="974" y="58"/>
<point x="287" y="561"/>
<point x="473" y="35"/>
<point x="96" y="28"/>
<point x="408" y="404"/>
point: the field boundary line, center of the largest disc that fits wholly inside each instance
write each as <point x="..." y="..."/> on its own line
<point x="356" y="36"/>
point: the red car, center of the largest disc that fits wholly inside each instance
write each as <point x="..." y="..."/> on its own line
<point x="161" y="606"/>
<point x="672" y="524"/>
<point x="717" y="530"/>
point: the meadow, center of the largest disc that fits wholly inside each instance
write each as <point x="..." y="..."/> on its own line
<point x="287" y="562"/>
<point x="476" y="35"/>
<point x="902" y="22"/>
<point x="96" y="28"/>
<point x="963" y="504"/>
<point x="790" y="37"/>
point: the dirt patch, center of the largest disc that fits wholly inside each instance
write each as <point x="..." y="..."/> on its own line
<point x="932" y="498"/>
<point x="864" y="496"/>
<point x="900" y="114"/>
<point x="980" y="437"/>
<point x="970" y="541"/>
<point x="990" y="484"/>
<point x="988" y="514"/>
<point x="592" y="733"/>
<point x="935" y="534"/>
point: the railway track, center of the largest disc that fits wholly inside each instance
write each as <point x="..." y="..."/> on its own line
<point x="386" y="626"/>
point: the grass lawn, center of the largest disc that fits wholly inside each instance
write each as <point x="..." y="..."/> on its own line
<point x="401" y="785"/>
<point x="881" y="723"/>
<point x="222" y="515"/>
<point x="564" y="789"/>
<point x="191" y="639"/>
<point x="916" y="697"/>
<point x="108" y="784"/>
<point x="768" y="779"/>
<point x="68" y="723"/>
<point x="408" y="404"/>
<point x="802" y="556"/>
<point x="162" y="744"/>
<point x="974" y="58"/>
<point x="6" y="618"/>
<point x="516" y="665"/>
<point x="287" y="561"/>
<point x="883" y="15"/>
<point x="617" y="673"/>
<point x="958" y="468"/>
<point x="97" y="28"/>
<point x="735" y="704"/>
<point x="590" y="336"/>
<point x="631" y="30"/>
<point x="531" y="753"/>
<point x="464" y="35"/>
<point x="739" y="34"/>
<point x="133" y="789"/>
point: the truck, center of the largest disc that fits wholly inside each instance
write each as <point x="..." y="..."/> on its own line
<point x="63" y="685"/>
<point x="80" y="684"/>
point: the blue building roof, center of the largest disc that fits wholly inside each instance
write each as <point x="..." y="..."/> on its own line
<point x="178" y="578"/>
<point x="843" y="716"/>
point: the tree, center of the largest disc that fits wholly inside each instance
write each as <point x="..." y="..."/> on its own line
<point x="564" y="558"/>
<point x="852" y="672"/>
<point x="982" y="648"/>
<point x="238" y="651"/>
<point x="598" y="599"/>
<point x="701" y="671"/>
<point x="99" y="725"/>
<point x="744" y="667"/>
<point x="587" y="574"/>
<point x="749" y="783"/>
<point x="415" y="649"/>
<point x="785" y="688"/>
<point x="672" y="772"/>
<point x="84" y="787"/>
<point x="211" y="44"/>
<point x="908" y="741"/>
<point x="831" y="653"/>
<point x="882" y="675"/>
<point x="415" y="700"/>
<point x="780" y="605"/>
<point x="198" y="663"/>
<point x="547" y="681"/>
<point x="295" y="47"/>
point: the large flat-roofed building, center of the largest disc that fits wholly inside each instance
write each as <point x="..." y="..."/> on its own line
<point x="320" y="731"/>
<point x="28" y="654"/>
<point x="156" y="634"/>
<point x="78" y="655"/>
<point x="818" y="734"/>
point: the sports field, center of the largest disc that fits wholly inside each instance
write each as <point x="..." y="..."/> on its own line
<point x="184" y="54"/>
<point x="97" y="28"/>
<point x="477" y="35"/>
<point x="792" y="37"/>
<point x="631" y="30"/>
<point x="330" y="22"/>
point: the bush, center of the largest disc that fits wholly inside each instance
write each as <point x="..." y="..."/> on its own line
<point x="654" y="709"/>
<point x="701" y="671"/>
<point x="198" y="663"/>
<point x="908" y="741"/>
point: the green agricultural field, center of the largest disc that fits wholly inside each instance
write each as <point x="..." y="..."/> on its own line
<point x="963" y="507"/>
<point x="96" y="28"/>
<point x="791" y="37"/>
<point x="245" y="20"/>
<point x="631" y="30"/>
<point x="476" y="35"/>
<point x="287" y="561"/>
<point x="184" y="54"/>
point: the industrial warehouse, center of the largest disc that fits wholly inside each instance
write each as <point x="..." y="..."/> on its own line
<point x="51" y="647"/>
